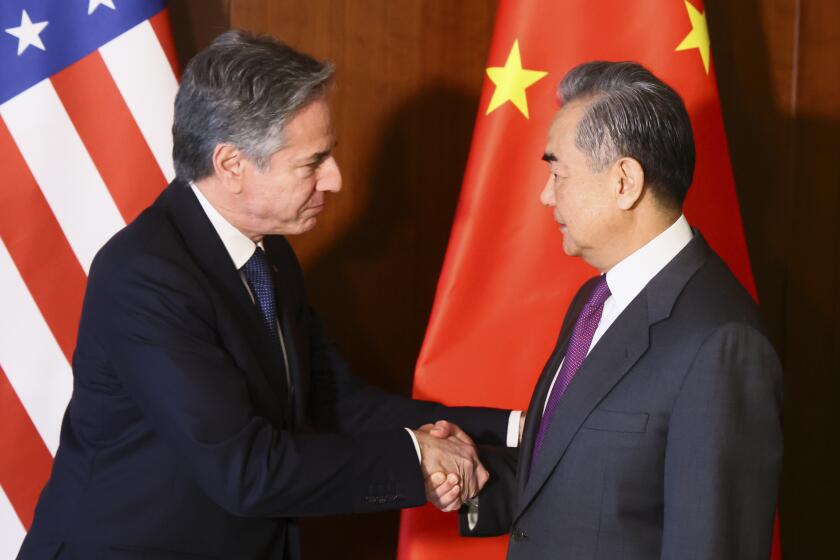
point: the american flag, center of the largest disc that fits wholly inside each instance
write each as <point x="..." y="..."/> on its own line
<point x="86" y="100"/>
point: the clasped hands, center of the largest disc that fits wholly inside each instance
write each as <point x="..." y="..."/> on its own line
<point x="450" y="465"/>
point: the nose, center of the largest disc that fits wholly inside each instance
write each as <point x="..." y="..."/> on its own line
<point x="330" y="176"/>
<point x="547" y="194"/>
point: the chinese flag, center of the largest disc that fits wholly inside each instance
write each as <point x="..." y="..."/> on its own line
<point x="506" y="283"/>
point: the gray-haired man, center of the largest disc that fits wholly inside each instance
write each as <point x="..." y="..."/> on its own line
<point x="654" y="430"/>
<point x="209" y="408"/>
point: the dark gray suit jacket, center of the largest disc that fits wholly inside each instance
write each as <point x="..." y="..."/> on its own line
<point x="667" y="443"/>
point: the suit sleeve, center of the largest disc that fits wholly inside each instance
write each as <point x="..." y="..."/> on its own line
<point x="497" y="498"/>
<point x="341" y="401"/>
<point x="724" y="451"/>
<point x="160" y="335"/>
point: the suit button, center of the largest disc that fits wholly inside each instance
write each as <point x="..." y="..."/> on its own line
<point x="518" y="534"/>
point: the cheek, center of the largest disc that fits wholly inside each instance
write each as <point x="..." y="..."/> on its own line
<point x="306" y="191"/>
<point x="577" y="212"/>
<point x="292" y="190"/>
<point x="568" y="202"/>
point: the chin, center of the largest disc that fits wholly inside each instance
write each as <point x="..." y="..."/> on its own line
<point x="297" y="228"/>
<point x="570" y="248"/>
<point x="307" y="225"/>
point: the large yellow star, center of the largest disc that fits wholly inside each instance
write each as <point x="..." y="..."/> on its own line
<point x="511" y="82"/>
<point x="698" y="37"/>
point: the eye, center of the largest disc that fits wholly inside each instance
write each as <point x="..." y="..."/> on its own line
<point x="312" y="168"/>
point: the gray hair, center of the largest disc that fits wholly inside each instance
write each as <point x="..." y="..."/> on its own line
<point x="632" y="113"/>
<point x="242" y="89"/>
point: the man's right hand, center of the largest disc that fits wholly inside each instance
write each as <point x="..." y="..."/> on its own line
<point x="453" y="454"/>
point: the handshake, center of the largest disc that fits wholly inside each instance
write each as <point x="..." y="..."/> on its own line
<point x="450" y="464"/>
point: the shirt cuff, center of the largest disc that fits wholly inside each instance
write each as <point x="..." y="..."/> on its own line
<point x="417" y="445"/>
<point x="513" y="428"/>
<point x="472" y="512"/>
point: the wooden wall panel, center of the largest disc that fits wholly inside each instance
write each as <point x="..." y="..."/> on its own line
<point x="780" y="88"/>
<point x="195" y="23"/>
<point x="753" y="51"/>
<point x="812" y="325"/>
<point x="408" y="79"/>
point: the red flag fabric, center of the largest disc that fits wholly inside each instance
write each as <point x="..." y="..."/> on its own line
<point x="86" y="103"/>
<point x="506" y="283"/>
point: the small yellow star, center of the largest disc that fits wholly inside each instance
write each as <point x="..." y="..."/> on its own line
<point x="511" y="82"/>
<point x="698" y="37"/>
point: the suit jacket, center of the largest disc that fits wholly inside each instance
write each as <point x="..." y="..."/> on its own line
<point x="181" y="439"/>
<point x="666" y="444"/>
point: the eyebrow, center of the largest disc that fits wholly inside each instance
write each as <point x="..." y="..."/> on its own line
<point x="318" y="158"/>
<point x="549" y="158"/>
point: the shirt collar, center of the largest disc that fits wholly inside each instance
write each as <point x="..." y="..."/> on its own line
<point x="238" y="245"/>
<point x="630" y="276"/>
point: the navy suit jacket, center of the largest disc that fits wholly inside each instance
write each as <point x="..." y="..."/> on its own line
<point x="667" y="443"/>
<point x="181" y="439"/>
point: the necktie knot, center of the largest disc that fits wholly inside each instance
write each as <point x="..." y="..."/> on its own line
<point x="257" y="265"/>
<point x="600" y="293"/>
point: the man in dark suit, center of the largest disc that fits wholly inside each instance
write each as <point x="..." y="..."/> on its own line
<point x="209" y="408"/>
<point x="654" y="429"/>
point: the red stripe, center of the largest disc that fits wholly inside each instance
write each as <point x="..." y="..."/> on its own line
<point x="110" y="134"/>
<point x="163" y="29"/>
<point x="25" y="462"/>
<point x="776" y="550"/>
<point x="38" y="247"/>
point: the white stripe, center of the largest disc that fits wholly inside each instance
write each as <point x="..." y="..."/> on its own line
<point x="61" y="165"/>
<point x="11" y="529"/>
<point x="30" y="355"/>
<point x="144" y="77"/>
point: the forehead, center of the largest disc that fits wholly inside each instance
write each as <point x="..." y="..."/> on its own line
<point x="564" y="125"/>
<point x="312" y="124"/>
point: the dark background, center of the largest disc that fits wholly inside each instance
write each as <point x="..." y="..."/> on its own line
<point x="409" y="77"/>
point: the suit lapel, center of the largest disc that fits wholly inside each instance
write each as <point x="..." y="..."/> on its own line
<point x="610" y="360"/>
<point x="298" y="362"/>
<point x="535" y="407"/>
<point x="211" y="256"/>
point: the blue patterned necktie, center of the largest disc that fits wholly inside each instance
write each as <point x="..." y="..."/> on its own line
<point x="584" y="331"/>
<point x="258" y="275"/>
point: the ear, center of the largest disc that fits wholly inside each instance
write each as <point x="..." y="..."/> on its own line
<point x="228" y="163"/>
<point x="630" y="178"/>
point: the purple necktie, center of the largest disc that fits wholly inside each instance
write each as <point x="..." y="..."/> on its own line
<point x="585" y="326"/>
